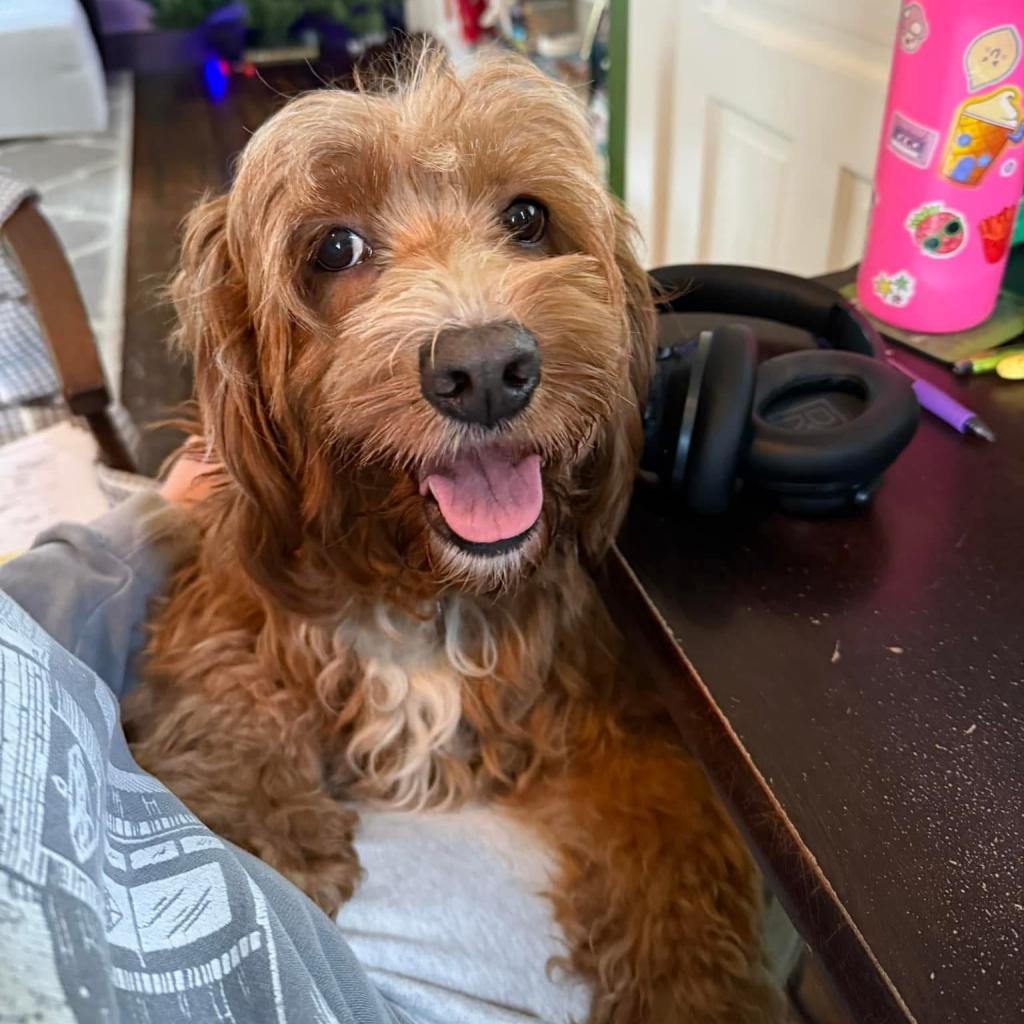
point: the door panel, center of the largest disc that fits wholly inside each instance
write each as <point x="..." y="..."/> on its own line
<point x="744" y="187"/>
<point x="773" y="126"/>
<point x="850" y="223"/>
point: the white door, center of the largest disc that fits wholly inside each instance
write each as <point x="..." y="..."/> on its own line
<point x="752" y="128"/>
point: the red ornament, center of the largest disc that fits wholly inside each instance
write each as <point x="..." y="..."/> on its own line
<point x="470" y="12"/>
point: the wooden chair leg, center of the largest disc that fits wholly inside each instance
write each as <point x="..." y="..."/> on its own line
<point x="113" y="450"/>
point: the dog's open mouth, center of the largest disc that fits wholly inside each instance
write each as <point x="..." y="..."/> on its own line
<point x="487" y="500"/>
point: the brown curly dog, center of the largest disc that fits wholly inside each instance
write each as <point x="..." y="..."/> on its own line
<point x="422" y="341"/>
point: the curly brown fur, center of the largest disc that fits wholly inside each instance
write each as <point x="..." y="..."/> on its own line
<point x="329" y="647"/>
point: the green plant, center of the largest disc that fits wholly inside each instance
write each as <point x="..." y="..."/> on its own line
<point x="182" y="13"/>
<point x="274" y="18"/>
<point x="361" y="17"/>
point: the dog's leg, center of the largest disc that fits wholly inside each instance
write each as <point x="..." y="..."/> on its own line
<point x="251" y="781"/>
<point x="657" y="896"/>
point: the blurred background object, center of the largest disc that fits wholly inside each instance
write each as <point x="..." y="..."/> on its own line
<point x="51" y="78"/>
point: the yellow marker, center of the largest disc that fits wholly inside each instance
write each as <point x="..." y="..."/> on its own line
<point x="1012" y="367"/>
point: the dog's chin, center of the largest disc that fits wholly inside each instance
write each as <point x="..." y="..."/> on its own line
<point x="485" y="567"/>
<point x="484" y="510"/>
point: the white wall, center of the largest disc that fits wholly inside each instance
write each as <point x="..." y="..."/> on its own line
<point x="650" y="96"/>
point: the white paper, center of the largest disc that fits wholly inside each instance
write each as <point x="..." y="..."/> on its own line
<point x="46" y="478"/>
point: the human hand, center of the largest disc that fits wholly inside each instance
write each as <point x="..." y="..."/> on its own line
<point x="191" y="476"/>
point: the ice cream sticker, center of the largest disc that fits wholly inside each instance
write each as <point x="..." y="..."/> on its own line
<point x="913" y="27"/>
<point x="894" y="289"/>
<point x="938" y="232"/>
<point x="981" y="129"/>
<point x="996" y="232"/>
<point x="912" y="141"/>
<point x="991" y="56"/>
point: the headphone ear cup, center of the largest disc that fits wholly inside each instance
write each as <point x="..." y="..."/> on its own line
<point x="827" y="417"/>
<point x="722" y="422"/>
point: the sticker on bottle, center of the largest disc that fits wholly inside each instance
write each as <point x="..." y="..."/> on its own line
<point x="912" y="141"/>
<point x="981" y="130"/>
<point x="913" y="27"/>
<point x="937" y="231"/>
<point x="996" y="232"/>
<point x="991" y="56"/>
<point x="894" y="289"/>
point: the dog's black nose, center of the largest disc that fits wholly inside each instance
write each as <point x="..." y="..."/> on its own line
<point x="480" y="374"/>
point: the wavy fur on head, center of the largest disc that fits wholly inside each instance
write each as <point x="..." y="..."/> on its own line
<point x="329" y="644"/>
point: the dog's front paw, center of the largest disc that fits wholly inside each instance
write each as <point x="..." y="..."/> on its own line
<point x="312" y="847"/>
<point x="329" y="884"/>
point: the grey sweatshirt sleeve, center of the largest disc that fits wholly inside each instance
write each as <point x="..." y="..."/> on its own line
<point x="89" y="586"/>
<point x="118" y="904"/>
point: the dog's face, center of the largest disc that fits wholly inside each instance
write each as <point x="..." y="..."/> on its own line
<point x="420" y="331"/>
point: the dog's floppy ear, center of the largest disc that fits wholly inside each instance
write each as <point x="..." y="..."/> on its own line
<point x="215" y="327"/>
<point x="610" y="483"/>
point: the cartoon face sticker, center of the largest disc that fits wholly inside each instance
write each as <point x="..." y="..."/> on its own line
<point x="894" y="289"/>
<point x="937" y="231"/>
<point x="991" y="56"/>
<point x="981" y="129"/>
<point x="913" y="29"/>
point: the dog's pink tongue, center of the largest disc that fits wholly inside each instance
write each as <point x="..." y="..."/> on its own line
<point x="485" y="497"/>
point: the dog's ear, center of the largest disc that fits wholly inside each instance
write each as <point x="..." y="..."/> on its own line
<point x="610" y="479"/>
<point x="215" y="327"/>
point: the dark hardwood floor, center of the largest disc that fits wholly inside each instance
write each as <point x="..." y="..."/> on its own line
<point x="185" y="145"/>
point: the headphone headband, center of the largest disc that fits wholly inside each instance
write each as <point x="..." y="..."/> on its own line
<point x="769" y="294"/>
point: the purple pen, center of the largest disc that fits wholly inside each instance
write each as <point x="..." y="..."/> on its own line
<point x="948" y="409"/>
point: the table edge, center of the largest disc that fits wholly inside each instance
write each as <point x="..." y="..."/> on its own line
<point x="785" y="859"/>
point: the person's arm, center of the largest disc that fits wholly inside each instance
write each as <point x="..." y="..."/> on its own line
<point x="89" y="586"/>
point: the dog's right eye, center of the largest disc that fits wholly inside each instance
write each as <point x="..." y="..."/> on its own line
<point x="525" y="220"/>
<point x="342" y="249"/>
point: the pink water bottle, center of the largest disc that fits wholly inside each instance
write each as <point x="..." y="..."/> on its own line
<point x="950" y="165"/>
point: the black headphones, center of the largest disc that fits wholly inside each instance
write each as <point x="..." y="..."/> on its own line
<point x="814" y="428"/>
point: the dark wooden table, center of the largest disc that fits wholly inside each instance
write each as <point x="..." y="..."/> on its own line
<point x="855" y="688"/>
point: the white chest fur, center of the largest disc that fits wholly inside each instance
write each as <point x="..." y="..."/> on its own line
<point x="404" y="677"/>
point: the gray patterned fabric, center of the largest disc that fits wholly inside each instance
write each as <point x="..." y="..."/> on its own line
<point x="116" y="903"/>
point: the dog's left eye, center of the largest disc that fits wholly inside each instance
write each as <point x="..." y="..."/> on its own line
<point x="525" y="220"/>
<point x="341" y="249"/>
